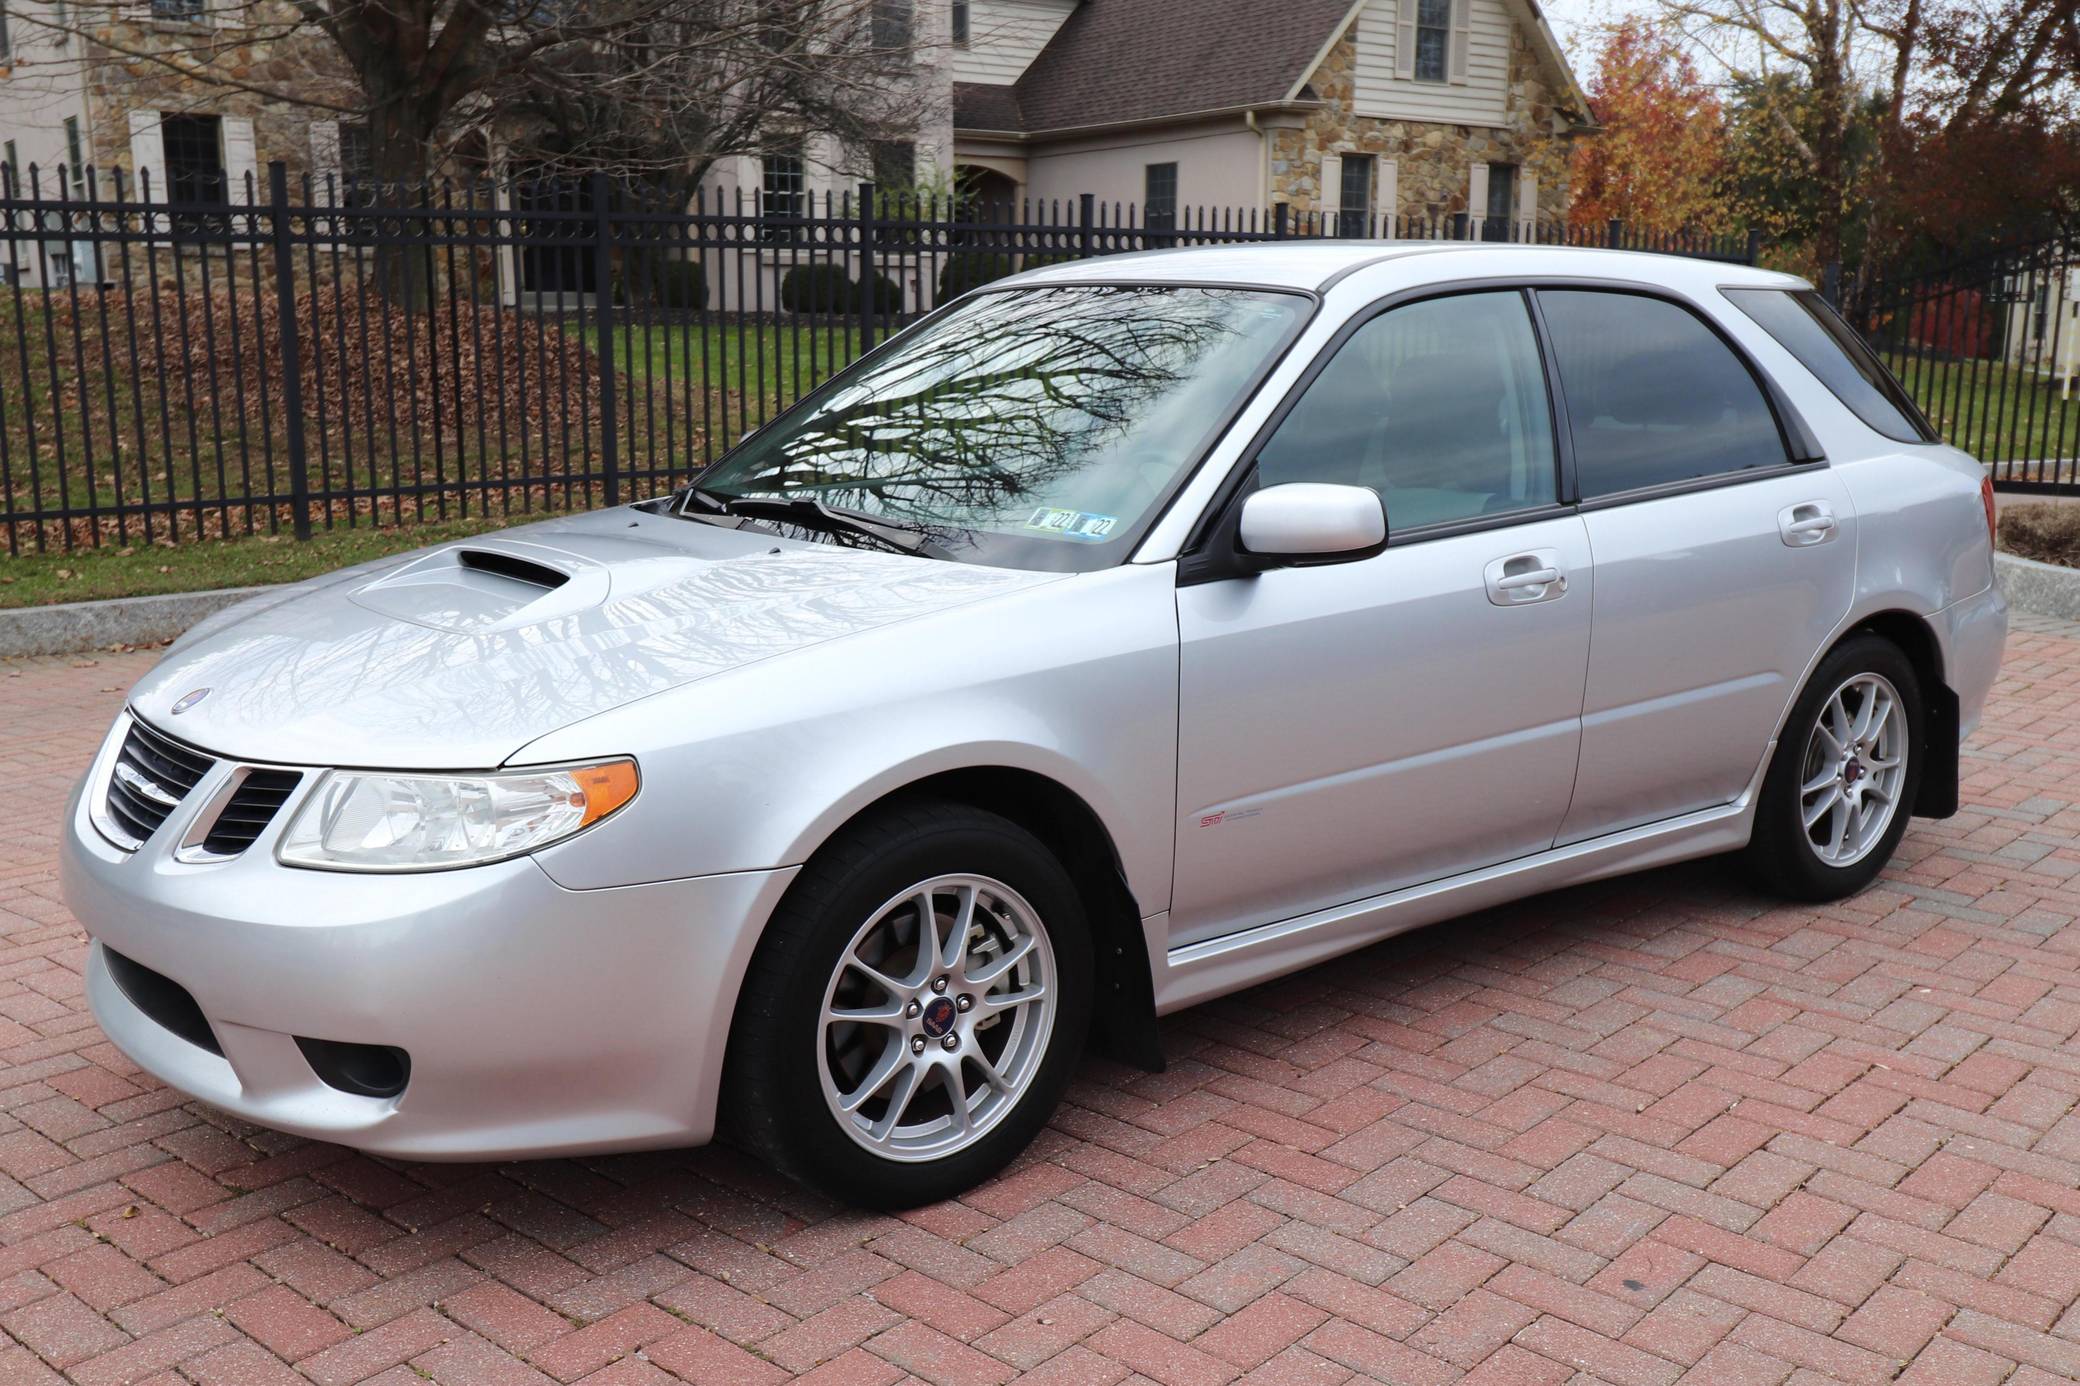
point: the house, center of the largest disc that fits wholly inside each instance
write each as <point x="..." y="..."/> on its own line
<point x="1361" y="108"/>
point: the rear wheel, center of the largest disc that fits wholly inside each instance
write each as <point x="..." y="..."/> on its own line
<point x="1842" y="783"/>
<point x="914" y="1009"/>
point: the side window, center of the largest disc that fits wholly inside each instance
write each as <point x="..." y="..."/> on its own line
<point x="1828" y="347"/>
<point x="1653" y="395"/>
<point x="1440" y="406"/>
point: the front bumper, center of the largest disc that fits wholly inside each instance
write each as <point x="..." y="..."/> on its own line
<point x="539" y="1020"/>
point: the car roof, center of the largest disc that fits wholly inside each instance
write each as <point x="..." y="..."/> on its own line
<point x="1315" y="264"/>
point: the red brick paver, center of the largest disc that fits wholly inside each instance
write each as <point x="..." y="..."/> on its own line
<point x="1657" y="1129"/>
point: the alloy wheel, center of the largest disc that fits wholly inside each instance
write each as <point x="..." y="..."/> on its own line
<point x="936" y="1018"/>
<point x="1854" y="769"/>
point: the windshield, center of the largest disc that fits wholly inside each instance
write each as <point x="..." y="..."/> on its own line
<point x="1032" y="428"/>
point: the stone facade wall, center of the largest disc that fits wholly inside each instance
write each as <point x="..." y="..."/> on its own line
<point x="118" y="84"/>
<point x="1432" y="160"/>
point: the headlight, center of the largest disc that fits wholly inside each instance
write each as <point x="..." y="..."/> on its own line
<point x="358" y="820"/>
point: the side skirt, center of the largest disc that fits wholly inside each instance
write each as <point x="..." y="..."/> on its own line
<point x="1201" y="971"/>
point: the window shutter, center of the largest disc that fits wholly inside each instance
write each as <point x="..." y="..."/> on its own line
<point x="241" y="170"/>
<point x="1405" y="41"/>
<point x="325" y="159"/>
<point x="1461" y="40"/>
<point x="1527" y="203"/>
<point x="147" y="156"/>
<point x="1476" y="199"/>
<point x="1331" y="200"/>
<point x="1389" y="194"/>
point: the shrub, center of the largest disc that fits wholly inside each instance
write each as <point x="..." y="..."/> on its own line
<point x="2049" y="533"/>
<point x="818" y="289"/>
<point x="971" y="269"/>
<point x="667" y="284"/>
<point x="888" y="296"/>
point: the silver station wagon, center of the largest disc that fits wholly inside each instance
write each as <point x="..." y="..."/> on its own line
<point x="1121" y="635"/>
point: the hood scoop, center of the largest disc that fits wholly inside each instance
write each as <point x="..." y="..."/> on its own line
<point x="484" y="588"/>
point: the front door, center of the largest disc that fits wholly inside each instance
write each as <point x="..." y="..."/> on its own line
<point x="1351" y="729"/>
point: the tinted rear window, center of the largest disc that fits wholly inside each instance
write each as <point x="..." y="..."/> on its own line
<point x="1654" y="397"/>
<point x="1828" y="347"/>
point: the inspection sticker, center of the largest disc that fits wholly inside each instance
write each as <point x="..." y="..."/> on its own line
<point x="1072" y="524"/>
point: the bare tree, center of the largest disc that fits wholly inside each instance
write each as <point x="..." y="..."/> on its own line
<point x="656" y="86"/>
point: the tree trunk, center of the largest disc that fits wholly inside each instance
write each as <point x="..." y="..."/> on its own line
<point x="400" y="155"/>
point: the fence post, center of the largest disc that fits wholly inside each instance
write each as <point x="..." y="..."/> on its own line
<point x="291" y="349"/>
<point x="603" y="324"/>
<point x="1086" y="218"/>
<point x="869" y="296"/>
<point x="1280" y="213"/>
<point x="1614" y="234"/>
<point x="1754" y="245"/>
<point x="1831" y="283"/>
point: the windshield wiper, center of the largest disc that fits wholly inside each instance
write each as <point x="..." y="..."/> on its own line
<point x="816" y="514"/>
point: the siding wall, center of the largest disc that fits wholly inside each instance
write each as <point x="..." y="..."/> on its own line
<point x="1214" y="170"/>
<point x="1005" y="37"/>
<point x="1480" y="100"/>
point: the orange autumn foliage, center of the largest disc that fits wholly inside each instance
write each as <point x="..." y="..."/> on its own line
<point x="1658" y="162"/>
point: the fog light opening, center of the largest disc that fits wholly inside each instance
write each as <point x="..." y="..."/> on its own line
<point x="366" y="1070"/>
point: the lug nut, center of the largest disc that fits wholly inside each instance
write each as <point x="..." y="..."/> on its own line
<point x="939" y="984"/>
<point x="951" y="1042"/>
<point x="910" y="1011"/>
<point x="964" y="1002"/>
<point x="917" y="1044"/>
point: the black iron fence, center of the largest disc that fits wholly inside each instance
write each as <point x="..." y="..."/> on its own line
<point x="1990" y="349"/>
<point x="301" y="358"/>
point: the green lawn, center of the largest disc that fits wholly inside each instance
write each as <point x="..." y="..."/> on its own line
<point x="1997" y="413"/>
<point x="141" y="570"/>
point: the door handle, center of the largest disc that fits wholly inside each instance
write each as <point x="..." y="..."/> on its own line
<point x="1524" y="578"/>
<point x="1807" y="523"/>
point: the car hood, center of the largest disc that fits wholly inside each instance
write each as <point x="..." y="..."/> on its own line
<point x="457" y="656"/>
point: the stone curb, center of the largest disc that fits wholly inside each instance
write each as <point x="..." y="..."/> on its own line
<point x="2044" y="588"/>
<point x="70" y="627"/>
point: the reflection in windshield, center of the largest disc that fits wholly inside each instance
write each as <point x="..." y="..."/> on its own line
<point x="1026" y="421"/>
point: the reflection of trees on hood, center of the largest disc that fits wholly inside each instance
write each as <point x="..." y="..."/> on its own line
<point x="1011" y="397"/>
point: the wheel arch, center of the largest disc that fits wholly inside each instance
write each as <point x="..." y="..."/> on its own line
<point x="1916" y="639"/>
<point x="1123" y="1014"/>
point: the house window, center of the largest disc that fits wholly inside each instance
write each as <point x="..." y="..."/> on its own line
<point x="75" y="153"/>
<point x="6" y="43"/>
<point x="895" y="164"/>
<point x="180" y="11"/>
<point x="194" y="158"/>
<point x="892" y="23"/>
<point x="1501" y="213"/>
<point x="1354" y="198"/>
<point x="962" y="23"/>
<point x="11" y="158"/>
<point x="1159" y="197"/>
<point x="356" y="157"/>
<point x="784" y="191"/>
<point x="1433" y="39"/>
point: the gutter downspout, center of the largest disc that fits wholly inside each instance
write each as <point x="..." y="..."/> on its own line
<point x="1249" y="118"/>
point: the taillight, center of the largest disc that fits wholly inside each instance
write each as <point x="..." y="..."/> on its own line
<point x="1986" y="498"/>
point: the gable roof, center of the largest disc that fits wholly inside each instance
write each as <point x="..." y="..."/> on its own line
<point x="1118" y="62"/>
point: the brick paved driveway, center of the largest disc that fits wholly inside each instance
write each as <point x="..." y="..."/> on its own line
<point x="1628" y="1133"/>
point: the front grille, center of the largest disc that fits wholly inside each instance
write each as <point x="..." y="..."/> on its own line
<point x="251" y="807"/>
<point x="151" y="775"/>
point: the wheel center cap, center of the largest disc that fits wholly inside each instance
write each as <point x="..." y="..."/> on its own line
<point x="938" y="1017"/>
<point x="1853" y="771"/>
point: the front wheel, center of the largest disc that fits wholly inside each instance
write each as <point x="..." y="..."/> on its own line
<point x="1841" y="786"/>
<point x="914" y="1009"/>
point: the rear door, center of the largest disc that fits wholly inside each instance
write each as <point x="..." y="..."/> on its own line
<point x="1722" y="565"/>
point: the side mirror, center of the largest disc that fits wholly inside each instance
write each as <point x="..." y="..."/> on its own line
<point x="1304" y="520"/>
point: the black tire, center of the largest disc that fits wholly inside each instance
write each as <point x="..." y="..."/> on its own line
<point x="772" y="1093"/>
<point x="1780" y="851"/>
